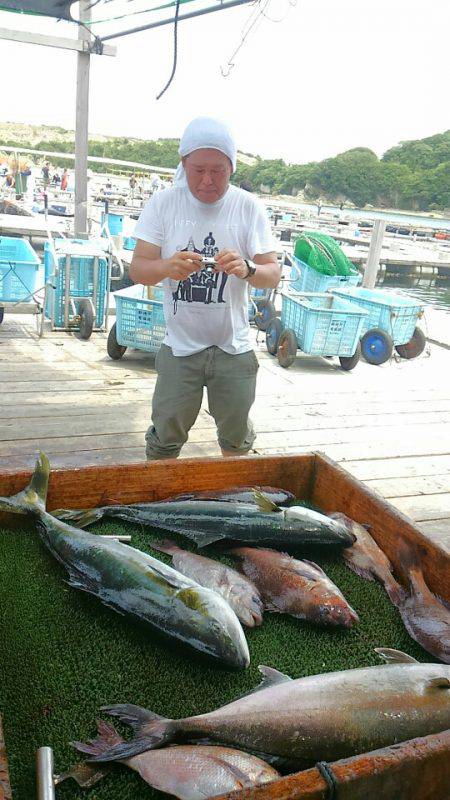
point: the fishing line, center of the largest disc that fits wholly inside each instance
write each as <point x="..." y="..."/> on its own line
<point x="175" y="50"/>
<point x="291" y="4"/>
<point x="251" y="24"/>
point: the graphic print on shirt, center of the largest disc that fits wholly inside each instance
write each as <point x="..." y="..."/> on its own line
<point x="202" y="286"/>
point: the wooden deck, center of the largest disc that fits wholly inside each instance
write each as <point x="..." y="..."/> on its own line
<point x="388" y="425"/>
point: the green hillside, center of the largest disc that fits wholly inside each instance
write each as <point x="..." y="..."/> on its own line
<point x="412" y="175"/>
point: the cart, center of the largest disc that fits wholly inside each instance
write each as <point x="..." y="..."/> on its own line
<point x="77" y="278"/>
<point x="318" y="324"/>
<point x="19" y="268"/>
<point x="260" y="309"/>
<point x="391" y="322"/>
<point x="306" y="279"/>
<point x="139" y="322"/>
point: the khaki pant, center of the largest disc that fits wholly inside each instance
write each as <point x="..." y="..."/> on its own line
<point x="230" y="381"/>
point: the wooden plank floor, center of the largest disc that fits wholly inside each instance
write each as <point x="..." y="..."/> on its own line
<point x="388" y="425"/>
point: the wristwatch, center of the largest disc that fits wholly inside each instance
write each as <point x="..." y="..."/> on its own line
<point x="250" y="269"/>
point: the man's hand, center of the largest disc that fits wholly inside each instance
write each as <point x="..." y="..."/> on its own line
<point x="183" y="264"/>
<point x="232" y="263"/>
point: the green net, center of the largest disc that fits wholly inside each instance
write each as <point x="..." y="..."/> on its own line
<point x="320" y="252"/>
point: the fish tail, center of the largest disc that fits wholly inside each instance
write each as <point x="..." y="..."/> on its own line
<point x="33" y="498"/>
<point x="107" y="738"/>
<point x="167" y="546"/>
<point x="151" y="731"/>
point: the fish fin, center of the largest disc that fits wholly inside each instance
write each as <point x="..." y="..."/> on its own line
<point x="84" y="775"/>
<point x="270" y="606"/>
<point x="263" y="502"/>
<point x="81" y="516"/>
<point x="367" y="574"/>
<point x="80" y="581"/>
<point x="107" y="737"/>
<point x="167" y="546"/>
<point x="438" y="683"/>
<point x="243" y="779"/>
<point x="121" y="752"/>
<point x="391" y="656"/>
<point x="135" y="716"/>
<point x="33" y="498"/>
<point x="203" y="539"/>
<point x="271" y="677"/>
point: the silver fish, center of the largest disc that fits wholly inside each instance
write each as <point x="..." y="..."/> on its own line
<point x="238" y="591"/>
<point x="320" y="717"/>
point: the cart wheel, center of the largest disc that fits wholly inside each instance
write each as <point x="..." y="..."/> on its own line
<point x="349" y="362"/>
<point x="414" y="347"/>
<point x="266" y="312"/>
<point x="273" y="334"/>
<point x="86" y="319"/>
<point x="376" y="346"/>
<point x="115" y="350"/>
<point x="2" y="314"/>
<point x="287" y="348"/>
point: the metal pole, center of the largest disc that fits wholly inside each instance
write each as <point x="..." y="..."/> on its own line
<point x="44" y="774"/>
<point x="169" y="20"/>
<point x="81" y="127"/>
<point x="373" y="259"/>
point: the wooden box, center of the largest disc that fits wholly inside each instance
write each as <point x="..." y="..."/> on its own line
<point x="315" y="478"/>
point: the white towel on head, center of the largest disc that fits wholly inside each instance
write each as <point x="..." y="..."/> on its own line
<point x="205" y="132"/>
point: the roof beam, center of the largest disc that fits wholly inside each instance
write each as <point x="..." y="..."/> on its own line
<point x="63" y="43"/>
<point x="219" y="7"/>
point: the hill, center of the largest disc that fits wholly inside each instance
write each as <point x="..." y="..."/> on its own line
<point x="413" y="175"/>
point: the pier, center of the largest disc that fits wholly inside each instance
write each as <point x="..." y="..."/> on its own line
<point x="389" y="425"/>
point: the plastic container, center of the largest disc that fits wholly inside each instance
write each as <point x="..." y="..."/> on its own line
<point x="306" y="279"/>
<point x="140" y="322"/>
<point x="396" y="314"/>
<point x="82" y="261"/>
<point x="115" y="223"/>
<point x="129" y="243"/>
<point x="323" y="325"/>
<point x="156" y="293"/>
<point x="19" y="267"/>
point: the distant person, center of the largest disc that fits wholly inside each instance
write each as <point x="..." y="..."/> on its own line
<point x="46" y="174"/>
<point x="56" y="178"/>
<point x="246" y="186"/>
<point x="64" y="180"/>
<point x="319" y="209"/>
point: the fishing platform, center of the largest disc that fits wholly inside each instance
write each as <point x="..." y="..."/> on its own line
<point x="388" y="426"/>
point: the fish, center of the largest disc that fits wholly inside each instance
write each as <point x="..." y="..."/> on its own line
<point x="425" y="616"/>
<point x="134" y="583"/>
<point x="241" y="494"/>
<point x="189" y="772"/>
<point x="241" y="594"/>
<point x="210" y="521"/>
<point x="290" y="586"/>
<point x="364" y="557"/>
<point x="321" y="717"/>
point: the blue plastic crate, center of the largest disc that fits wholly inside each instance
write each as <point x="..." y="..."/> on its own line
<point x="394" y="313"/>
<point x="19" y="267"/>
<point x="129" y="242"/>
<point x="324" y="326"/>
<point x="115" y="223"/>
<point x="307" y="279"/>
<point x="140" y="322"/>
<point x="82" y="258"/>
<point x="157" y="292"/>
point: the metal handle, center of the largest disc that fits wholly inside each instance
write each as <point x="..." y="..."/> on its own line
<point x="45" y="783"/>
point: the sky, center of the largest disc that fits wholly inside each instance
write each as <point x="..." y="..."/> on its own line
<point x="312" y="79"/>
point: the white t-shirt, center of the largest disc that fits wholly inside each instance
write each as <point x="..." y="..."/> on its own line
<point x="206" y="310"/>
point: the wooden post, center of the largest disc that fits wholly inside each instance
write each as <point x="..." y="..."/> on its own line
<point x="373" y="259"/>
<point x="81" y="126"/>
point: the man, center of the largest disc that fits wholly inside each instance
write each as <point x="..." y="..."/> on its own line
<point x="207" y="341"/>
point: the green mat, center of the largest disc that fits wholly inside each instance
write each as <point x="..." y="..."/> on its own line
<point x="63" y="655"/>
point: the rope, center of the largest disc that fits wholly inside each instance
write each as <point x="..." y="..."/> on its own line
<point x="175" y="50"/>
<point x="330" y="779"/>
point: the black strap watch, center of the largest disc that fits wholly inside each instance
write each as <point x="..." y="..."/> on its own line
<point x="250" y="269"/>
